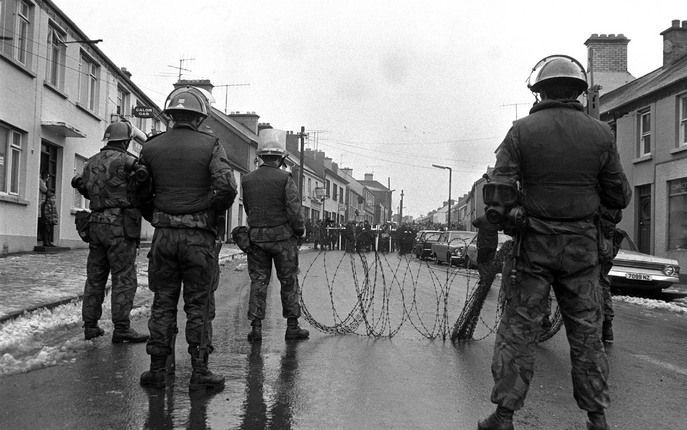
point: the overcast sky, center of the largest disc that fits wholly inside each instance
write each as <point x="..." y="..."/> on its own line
<point x="392" y="86"/>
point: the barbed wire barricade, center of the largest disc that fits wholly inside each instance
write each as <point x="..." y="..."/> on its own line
<point x="390" y="291"/>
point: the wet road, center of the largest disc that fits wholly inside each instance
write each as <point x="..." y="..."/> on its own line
<point x="352" y="381"/>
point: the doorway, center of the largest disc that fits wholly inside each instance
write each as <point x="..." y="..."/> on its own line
<point x="644" y="218"/>
<point x="48" y="175"/>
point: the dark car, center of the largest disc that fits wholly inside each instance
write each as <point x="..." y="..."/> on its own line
<point x="423" y="243"/>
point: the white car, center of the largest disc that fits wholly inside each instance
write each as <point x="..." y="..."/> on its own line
<point x="636" y="270"/>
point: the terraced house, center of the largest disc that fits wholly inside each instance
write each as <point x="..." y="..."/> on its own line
<point x="58" y="93"/>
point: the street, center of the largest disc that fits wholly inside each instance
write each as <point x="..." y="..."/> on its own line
<point x="392" y="370"/>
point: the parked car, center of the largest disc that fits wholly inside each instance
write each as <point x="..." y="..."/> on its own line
<point x="636" y="270"/>
<point x="423" y="243"/>
<point x="471" y="253"/>
<point x="451" y="246"/>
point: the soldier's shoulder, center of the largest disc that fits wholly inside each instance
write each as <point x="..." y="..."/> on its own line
<point x="155" y="136"/>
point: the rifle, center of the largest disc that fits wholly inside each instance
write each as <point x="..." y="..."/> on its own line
<point x="203" y="348"/>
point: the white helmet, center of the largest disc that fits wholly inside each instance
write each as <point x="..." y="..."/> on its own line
<point x="272" y="142"/>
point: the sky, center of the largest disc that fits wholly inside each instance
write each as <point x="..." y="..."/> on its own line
<point x="383" y="87"/>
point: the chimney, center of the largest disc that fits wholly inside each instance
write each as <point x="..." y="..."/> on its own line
<point x="369" y="176"/>
<point x="126" y="72"/>
<point x="348" y="171"/>
<point x="292" y="143"/>
<point x="204" y="84"/>
<point x="263" y="126"/>
<point x="674" y="42"/>
<point x="607" y="53"/>
<point x="248" y="119"/>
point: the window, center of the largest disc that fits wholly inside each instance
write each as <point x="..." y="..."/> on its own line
<point x="88" y="84"/>
<point x="677" y="214"/>
<point x="335" y="193"/>
<point x="341" y="195"/>
<point x="55" y="57"/>
<point x="682" y="118"/>
<point x="644" y="124"/>
<point x="327" y="186"/>
<point x="10" y="159"/>
<point x="23" y="33"/>
<point x="309" y="186"/>
<point x="79" y="201"/>
<point x="123" y="103"/>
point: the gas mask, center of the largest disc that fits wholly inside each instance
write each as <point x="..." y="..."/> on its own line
<point x="502" y="208"/>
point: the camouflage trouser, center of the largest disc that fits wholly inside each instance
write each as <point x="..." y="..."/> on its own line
<point x="568" y="262"/>
<point x="181" y="255"/>
<point x="109" y="252"/>
<point x="605" y="282"/>
<point x="284" y="253"/>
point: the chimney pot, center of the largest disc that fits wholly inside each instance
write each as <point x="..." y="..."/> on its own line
<point x="684" y="24"/>
<point x="676" y="23"/>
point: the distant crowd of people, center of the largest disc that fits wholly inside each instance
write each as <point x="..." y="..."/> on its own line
<point x="361" y="236"/>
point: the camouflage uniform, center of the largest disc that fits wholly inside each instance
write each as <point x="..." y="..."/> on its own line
<point x="487" y="242"/>
<point x="274" y="214"/>
<point x="608" y="221"/>
<point x="192" y="181"/>
<point x="567" y="165"/>
<point x="112" y="248"/>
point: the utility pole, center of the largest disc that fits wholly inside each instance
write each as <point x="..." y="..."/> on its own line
<point x="226" y="92"/>
<point x="301" y="137"/>
<point x="388" y="185"/>
<point x="400" y="210"/>
<point x="180" y="67"/>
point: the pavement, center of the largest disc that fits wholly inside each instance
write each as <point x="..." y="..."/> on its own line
<point x="34" y="280"/>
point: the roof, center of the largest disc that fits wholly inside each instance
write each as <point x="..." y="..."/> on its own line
<point x="374" y="185"/>
<point x="642" y="87"/>
<point x="236" y="126"/>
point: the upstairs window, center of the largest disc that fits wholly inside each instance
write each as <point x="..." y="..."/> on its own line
<point x="123" y="102"/>
<point x="644" y="126"/>
<point x="23" y="33"/>
<point x="55" y="57"/>
<point x="88" y="84"/>
<point x="682" y="120"/>
<point x="335" y="194"/>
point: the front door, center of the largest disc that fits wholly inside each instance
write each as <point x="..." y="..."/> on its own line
<point x="48" y="174"/>
<point x="644" y="218"/>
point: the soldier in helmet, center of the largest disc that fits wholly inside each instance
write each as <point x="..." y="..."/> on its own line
<point x="113" y="233"/>
<point x="192" y="185"/>
<point x="276" y="223"/>
<point x="559" y="165"/>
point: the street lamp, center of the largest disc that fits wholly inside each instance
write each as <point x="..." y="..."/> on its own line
<point x="450" y="177"/>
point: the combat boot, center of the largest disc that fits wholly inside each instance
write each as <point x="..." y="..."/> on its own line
<point x="155" y="377"/>
<point x="92" y="331"/>
<point x="501" y="419"/>
<point x="597" y="421"/>
<point x="128" y="335"/>
<point x="255" y="334"/>
<point x="607" y="332"/>
<point x="293" y="331"/>
<point x="202" y="377"/>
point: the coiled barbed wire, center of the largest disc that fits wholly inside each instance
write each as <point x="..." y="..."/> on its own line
<point x="377" y="277"/>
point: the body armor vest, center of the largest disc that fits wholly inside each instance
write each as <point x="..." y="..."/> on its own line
<point x="179" y="162"/>
<point x="264" y="197"/>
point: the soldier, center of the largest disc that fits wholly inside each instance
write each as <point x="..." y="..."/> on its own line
<point x="114" y="230"/>
<point x="192" y="186"/>
<point x="566" y="164"/>
<point x="275" y="220"/>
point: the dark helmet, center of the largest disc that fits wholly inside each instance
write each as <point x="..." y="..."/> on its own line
<point x="558" y="68"/>
<point x="187" y="99"/>
<point x="122" y="130"/>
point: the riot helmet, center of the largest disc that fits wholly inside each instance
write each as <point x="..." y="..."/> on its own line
<point x="187" y="100"/>
<point x="561" y="70"/>
<point x="119" y="131"/>
<point x="272" y="142"/>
